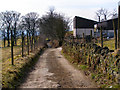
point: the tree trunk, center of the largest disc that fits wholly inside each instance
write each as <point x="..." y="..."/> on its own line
<point x="8" y="36"/>
<point x="34" y="42"/>
<point x="33" y="39"/>
<point x="99" y="18"/>
<point x="27" y="42"/>
<point x="4" y="42"/>
<point x="12" y="48"/>
<point x="30" y="41"/>
<point x="105" y="17"/>
<point x="4" y="39"/>
<point x="15" y="40"/>
<point x="22" y="43"/>
<point x="101" y="36"/>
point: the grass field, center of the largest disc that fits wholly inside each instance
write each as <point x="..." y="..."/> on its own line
<point x="11" y="73"/>
<point x="6" y="42"/>
<point x="6" y="51"/>
<point x="109" y="43"/>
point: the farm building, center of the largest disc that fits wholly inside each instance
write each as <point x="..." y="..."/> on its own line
<point x="82" y="25"/>
<point x="107" y="27"/>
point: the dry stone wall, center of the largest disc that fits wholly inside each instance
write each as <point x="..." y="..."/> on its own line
<point x="99" y="60"/>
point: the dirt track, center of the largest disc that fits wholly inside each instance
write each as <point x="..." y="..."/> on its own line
<point x="54" y="71"/>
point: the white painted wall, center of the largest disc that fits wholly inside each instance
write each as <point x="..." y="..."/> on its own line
<point x="79" y="32"/>
<point x="108" y="31"/>
<point x="74" y="32"/>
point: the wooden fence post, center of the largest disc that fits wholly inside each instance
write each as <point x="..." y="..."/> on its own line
<point x="91" y="35"/>
<point x="115" y="34"/>
<point x="83" y="37"/>
<point x="12" y="48"/>
<point x="118" y="46"/>
<point x="101" y="36"/>
<point x="27" y="42"/>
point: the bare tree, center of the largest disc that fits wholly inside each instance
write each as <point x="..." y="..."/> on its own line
<point x="114" y="14"/>
<point x="12" y="41"/>
<point x="25" y="23"/>
<point x="54" y="25"/>
<point x="98" y="14"/>
<point x="7" y="20"/>
<point x="16" y="17"/>
<point x="29" y="22"/>
<point x="22" y="27"/>
<point x="2" y="29"/>
<point x="102" y="14"/>
<point x="33" y="17"/>
<point x="105" y="13"/>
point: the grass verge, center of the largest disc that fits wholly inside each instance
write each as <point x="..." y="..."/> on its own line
<point x="99" y="78"/>
<point x="76" y="65"/>
<point x="12" y="75"/>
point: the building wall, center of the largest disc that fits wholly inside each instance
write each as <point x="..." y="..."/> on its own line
<point x="74" y="32"/>
<point x="86" y="31"/>
<point x="106" y="31"/>
<point x="109" y="33"/>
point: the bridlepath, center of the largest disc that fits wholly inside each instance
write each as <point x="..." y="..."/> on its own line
<point x="54" y="71"/>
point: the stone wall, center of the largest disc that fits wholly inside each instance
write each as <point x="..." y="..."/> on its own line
<point x="100" y="60"/>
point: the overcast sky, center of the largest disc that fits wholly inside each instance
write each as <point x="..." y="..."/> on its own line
<point x="71" y="8"/>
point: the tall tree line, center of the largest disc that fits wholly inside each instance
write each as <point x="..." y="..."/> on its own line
<point x="9" y="20"/>
<point x="12" y="25"/>
<point x="28" y="27"/>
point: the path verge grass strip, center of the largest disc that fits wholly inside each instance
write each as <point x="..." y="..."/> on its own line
<point x="13" y="75"/>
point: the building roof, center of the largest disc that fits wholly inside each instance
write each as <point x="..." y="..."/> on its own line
<point x="108" y="25"/>
<point x="80" y="22"/>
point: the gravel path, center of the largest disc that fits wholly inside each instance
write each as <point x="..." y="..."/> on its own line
<point x="54" y="71"/>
